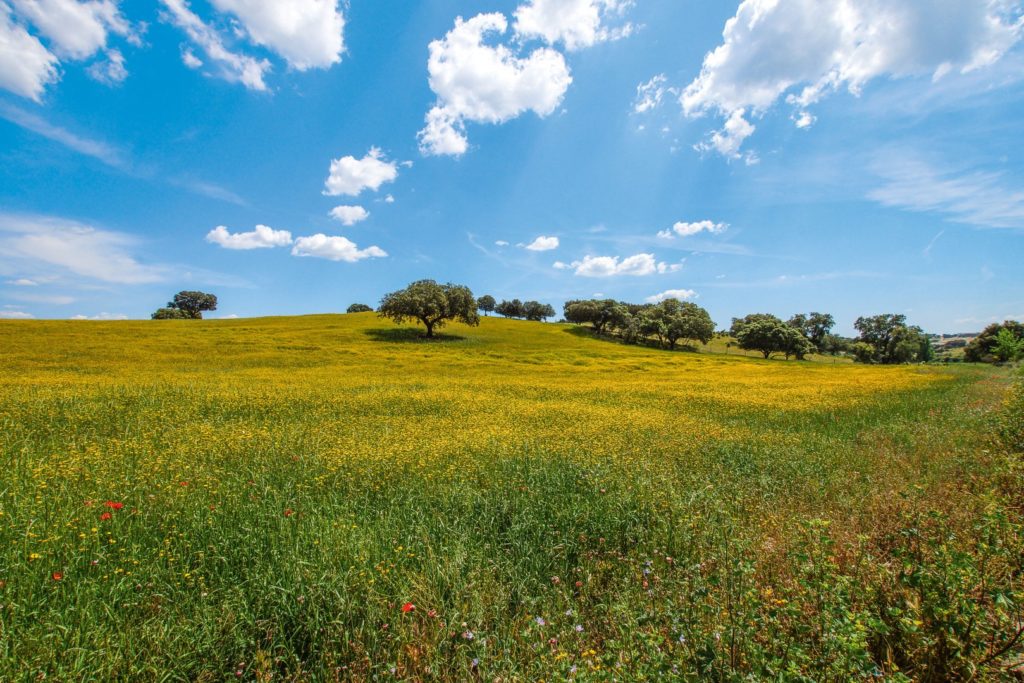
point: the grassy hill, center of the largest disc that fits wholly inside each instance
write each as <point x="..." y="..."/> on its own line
<point x="332" y="497"/>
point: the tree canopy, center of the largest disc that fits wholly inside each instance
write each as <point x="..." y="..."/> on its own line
<point x="358" y="308"/>
<point x="997" y="342"/>
<point x="187" y="304"/>
<point x="431" y="304"/>
<point x="486" y="303"/>
<point x="887" y="339"/>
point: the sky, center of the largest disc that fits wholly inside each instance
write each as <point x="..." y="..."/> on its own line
<point x="854" y="157"/>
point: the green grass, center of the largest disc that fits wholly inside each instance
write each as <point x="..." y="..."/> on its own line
<point x="556" y="507"/>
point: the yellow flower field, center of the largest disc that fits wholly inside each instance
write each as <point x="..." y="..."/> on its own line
<point x="199" y="500"/>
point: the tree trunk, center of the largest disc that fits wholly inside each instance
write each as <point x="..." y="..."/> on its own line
<point x="430" y="327"/>
<point x="767" y="354"/>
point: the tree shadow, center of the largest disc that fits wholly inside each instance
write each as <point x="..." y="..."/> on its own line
<point x="654" y="344"/>
<point x="409" y="335"/>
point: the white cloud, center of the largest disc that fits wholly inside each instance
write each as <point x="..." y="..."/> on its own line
<point x="684" y="229"/>
<point x="389" y="199"/>
<point x="543" y="243"/>
<point x="262" y="237"/>
<point x="681" y="294"/>
<point x="334" y="248"/>
<point x="307" y="33"/>
<point x="23" y="282"/>
<point x="101" y="316"/>
<point x="111" y="71"/>
<point x="26" y="66"/>
<point x="232" y="66"/>
<point x="35" y="241"/>
<point x="649" y="94"/>
<point x="728" y="140"/>
<point x="501" y="243"/>
<point x="349" y="215"/>
<point x="574" y="23"/>
<point x="16" y="315"/>
<point x="669" y="267"/>
<point x="979" y="198"/>
<point x="482" y="83"/>
<point x="841" y="44"/>
<point x="609" y="266"/>
<point x="560" y="265"/>
<point x="189" y="59"/>
<point x="76" y="30"/>
<point x="351" y="176"/>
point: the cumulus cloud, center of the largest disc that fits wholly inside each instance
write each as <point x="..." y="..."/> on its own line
<point x="232" y="66"/>
<point x="485" y="83"/>
<point x="35" y="242"/>
<point x="16" y="315"/>
<point x="501" y="243"/>
<point x="73" y="30"/>
<point x="262" y="237"/>
<point x="684" y="229"/>
<point x="842" y="44"/>
<point x="306" y="33"/>
<point x="26" y="66"/>
<point x="681" y="294"/>
<point x="101" y="316"/>
<point x="23" y="282"/>
<point x="610" y="266"/>
<point x="111" y="71"/>
<point x="189" y="59"/>
<point x="350" y="176"/>
<point x="649" y="94"/>
<point x="575" y="24"/>
<point x="349" y="215"/>
<point x="334" y="248"/>
<point x="542" y="243"/>
<point x="76" y="30"/>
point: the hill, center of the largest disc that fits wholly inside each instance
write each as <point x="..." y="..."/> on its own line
<point x="326" y="497"/>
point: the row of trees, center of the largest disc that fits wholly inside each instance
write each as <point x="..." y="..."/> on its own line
<point x="884" y="339"/>
<point x="668" y="322"/>
<point x="529" y="310"/>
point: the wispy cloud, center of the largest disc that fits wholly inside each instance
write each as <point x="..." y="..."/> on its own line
<point x="83" y="145"/>
<point x="981" y="198"/>
<point x="46" y="243"/>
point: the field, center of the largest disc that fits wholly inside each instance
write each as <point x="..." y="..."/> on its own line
<point x="333" y="498"/>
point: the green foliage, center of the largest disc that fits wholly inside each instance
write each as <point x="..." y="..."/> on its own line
<point x="169" y="314"/>
<point x="486" y="304"/>
<point x="983" y="348"/>
<point x="673" y="321"/>
<point x="534" y="310"/>
<point x="193" y="303"/>
<point x="511" y="309"/>
<point x="888" y="339"/>
<point x="600" y="314"/>
<point x="431" y="304"/>
<point x="816" y="327"/>
<point x="765" y="333"/>
<point x="359" y="308"/>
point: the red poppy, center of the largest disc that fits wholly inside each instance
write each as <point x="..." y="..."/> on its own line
<point x="288" y="512"/>
<point x="408" y="607"/>
<point x="114" y="505"/>
<point x="57" y="576"/>
<point x="105" y="516"/>
<point x="183" y="483"/>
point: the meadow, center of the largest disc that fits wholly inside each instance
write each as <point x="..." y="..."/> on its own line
<point x="332" y="498"/>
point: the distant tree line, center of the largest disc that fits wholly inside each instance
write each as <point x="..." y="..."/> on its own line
<point x="883" y="339"/>
<point x="997" y="343"/>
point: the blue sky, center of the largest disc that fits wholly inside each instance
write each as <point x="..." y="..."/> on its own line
<point x="787" y="156"/>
